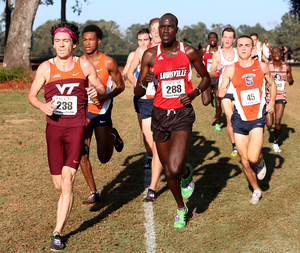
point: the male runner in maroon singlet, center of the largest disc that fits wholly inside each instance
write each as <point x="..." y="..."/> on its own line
<point x="173" y="114"/>
<point x="65" y="79"/>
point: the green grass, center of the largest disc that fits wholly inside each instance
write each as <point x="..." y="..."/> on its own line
<point x="220" y="217"/>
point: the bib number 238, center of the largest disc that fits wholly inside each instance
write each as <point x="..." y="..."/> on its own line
<point x="66" y="105"/>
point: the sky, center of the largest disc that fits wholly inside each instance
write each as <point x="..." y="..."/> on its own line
<point x="125" y="13"/>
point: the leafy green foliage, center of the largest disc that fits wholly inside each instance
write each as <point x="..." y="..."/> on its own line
<point x="195" y="34"/>
<point x="117" y="42"/>
<point x="295" y="7"/>
<point x="17" y="74"/>
<point x="287" y="33"/>
<point x="131" y="35"/>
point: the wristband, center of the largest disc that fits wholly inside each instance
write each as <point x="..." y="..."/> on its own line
<point x="144" y="87"/>
<point x="198" y="90"/>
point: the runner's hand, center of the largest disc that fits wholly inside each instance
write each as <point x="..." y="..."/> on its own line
<point x="149" y="77"/>
<point x="48" y="108"/>
<point x="221" y="93"/>
<point x="186" y="99"/>
<point x="92" y="92"/>
<point x="270" y="107"/>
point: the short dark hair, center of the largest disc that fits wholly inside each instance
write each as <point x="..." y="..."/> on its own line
<point x="70" y="26"/>
<point x="229" y="29"/>
<point x="246" y="36"/>
<point x="212" y="33"/>
<point x="93" y="28"/>
<point x="254" y="34"/>
<point x="142" y="31"/>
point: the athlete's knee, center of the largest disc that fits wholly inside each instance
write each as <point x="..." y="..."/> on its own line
<point x="103" y="157"/>
<point x="254" y="160"/>
<point x="278" y="123"/>
<point x="67" y="184"/>
<point x="269" y="124"/>
<point x="205" y="101"/>
<point x="176" y="170"/>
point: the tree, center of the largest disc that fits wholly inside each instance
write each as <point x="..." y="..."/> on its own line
<point x="8" y="11"/>
<point x="218" y="28"/>
<point x="131" y="35"/>
<point x="41" y="46"/>
<point x="195" y="34"/>
<point x="295" y="7"/>
<point x="17" y="50"/>
<point x="287" y="33"/>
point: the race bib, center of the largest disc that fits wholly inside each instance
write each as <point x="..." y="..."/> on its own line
<point x="280" y="85"/>
<point x="66" y="105"/>
<point x="250" y="97"/>
<point x="172" y="88"/>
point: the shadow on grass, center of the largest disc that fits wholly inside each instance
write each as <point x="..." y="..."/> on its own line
<point x="285" y="133"/>
<point x="271" y="159"/>
<point x="126" y="186"/>
<point x="199" y="149"/>
<point x="214" y="176"/>
<point x="214" y="179"/>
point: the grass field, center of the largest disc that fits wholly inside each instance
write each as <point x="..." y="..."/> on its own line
<point x="220" y="217"/>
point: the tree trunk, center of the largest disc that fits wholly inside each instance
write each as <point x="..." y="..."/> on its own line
<point x="17" y="49"/>
<point x="8" y="11"/>
<point x="63" y="10"/>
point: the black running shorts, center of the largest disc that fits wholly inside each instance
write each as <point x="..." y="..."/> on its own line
<point x="165" y="122"/>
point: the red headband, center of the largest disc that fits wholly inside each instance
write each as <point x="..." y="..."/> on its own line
<point x="64" y="30"/>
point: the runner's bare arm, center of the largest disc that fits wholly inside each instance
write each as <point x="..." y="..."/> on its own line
<point x="289" y="76"/>
<point x="134" y="64"/>
<point x="126" y="68"/>
<point x="265" y="59"/>
<point x="41" y="77"/>
<point x="112" y="67"/>
<point x="145" y="76"/>
<point x="227" y="75"/>
<point x="216" y="64"/>
<point x="273" y="87"/>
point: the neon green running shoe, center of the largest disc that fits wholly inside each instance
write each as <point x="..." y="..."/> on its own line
<point x="187" y="185"/>
<point x="180" y="218"/>
<point x="218" y="128"/>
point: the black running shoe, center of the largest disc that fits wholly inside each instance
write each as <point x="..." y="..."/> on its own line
<point x="56" y="242"/>
<point x="119" y="144"/>
<point x="148" y="164"/>
<point x="93" y="198"/>
<point x="151" y="196"/>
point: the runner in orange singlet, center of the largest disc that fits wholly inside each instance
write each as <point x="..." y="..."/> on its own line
<point x="99" y="116"/>
<point x="248" y="119"/>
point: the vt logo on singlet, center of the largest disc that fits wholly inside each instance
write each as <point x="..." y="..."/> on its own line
<point x="71" y="86"/>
